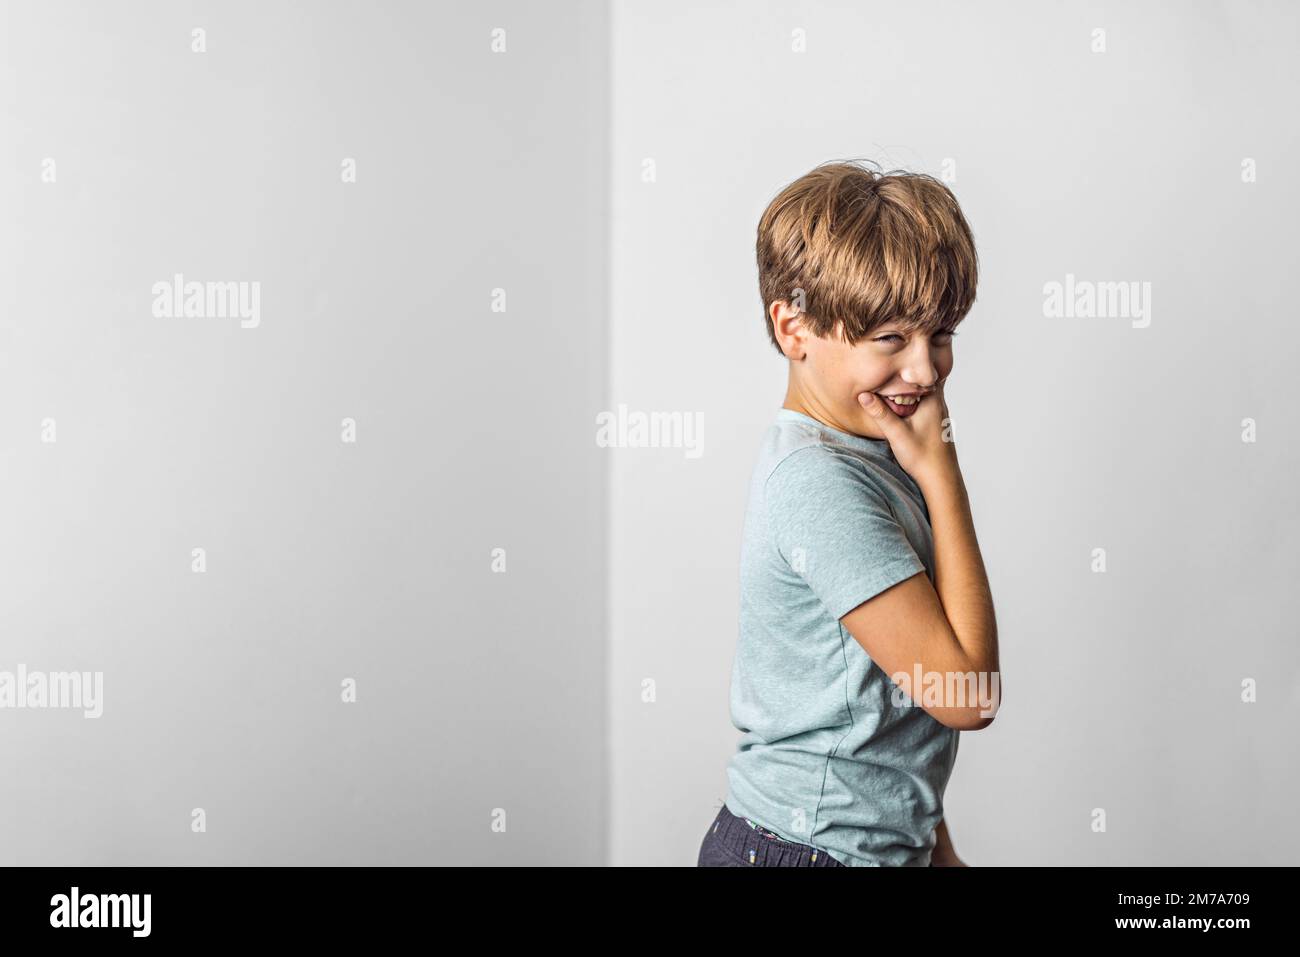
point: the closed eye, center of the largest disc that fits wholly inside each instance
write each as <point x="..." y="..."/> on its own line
<point x="892" y="336"/>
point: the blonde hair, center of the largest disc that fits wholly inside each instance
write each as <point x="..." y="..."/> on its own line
<point x="867" y="248"/>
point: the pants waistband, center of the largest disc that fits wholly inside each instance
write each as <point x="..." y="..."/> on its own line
<point x="755" y="848"/>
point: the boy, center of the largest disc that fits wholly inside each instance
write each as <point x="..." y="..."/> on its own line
<point x="860" y="572"/>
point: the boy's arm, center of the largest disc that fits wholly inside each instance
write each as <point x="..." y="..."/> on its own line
<point x="947" y="627"/>
<point x="959" y="576"/>
<point x="950" y="626"/>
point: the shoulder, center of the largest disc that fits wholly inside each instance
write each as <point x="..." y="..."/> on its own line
<point x="813" y="468"/>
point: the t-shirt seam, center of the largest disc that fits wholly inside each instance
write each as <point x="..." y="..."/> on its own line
<point x="848" y="706"/>
<point x="838" y="451"/>
<point x="886" y="571"/>
<point x="853" y="461"/>
<point x="914" y="565"/>
<point x="829" y="437"/>
<point x="767" y="509"/>
<point x="854" y="455"/>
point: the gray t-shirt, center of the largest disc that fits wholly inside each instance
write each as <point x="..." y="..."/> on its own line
<point x="826" y="757"/>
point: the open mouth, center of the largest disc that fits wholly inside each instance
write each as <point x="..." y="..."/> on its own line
<point x="903" y="405"/>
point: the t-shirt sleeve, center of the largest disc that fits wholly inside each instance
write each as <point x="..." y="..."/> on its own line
<point x="835" y="529"/>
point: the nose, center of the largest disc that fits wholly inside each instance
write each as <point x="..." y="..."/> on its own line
<point x="919" y="369"/>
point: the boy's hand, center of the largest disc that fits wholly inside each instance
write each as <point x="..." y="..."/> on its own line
<point x="916" y="441"/>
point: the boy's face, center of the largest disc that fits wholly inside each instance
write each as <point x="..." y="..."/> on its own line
<point x="827" y="375"/>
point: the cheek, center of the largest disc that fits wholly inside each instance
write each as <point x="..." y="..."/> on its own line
<point x="872" y="376"/>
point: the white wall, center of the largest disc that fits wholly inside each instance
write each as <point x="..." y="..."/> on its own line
<point x="526" y="691"/>
<point x="1122" y="689"/>
<point x="476" y="690"/>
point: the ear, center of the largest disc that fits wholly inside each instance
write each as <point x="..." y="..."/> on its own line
<point x="787" y="323"/>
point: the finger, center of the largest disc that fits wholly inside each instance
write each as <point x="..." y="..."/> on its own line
<point x="878" y="409"/>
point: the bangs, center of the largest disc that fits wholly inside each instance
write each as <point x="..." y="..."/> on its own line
<point x="867" y="249"/>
